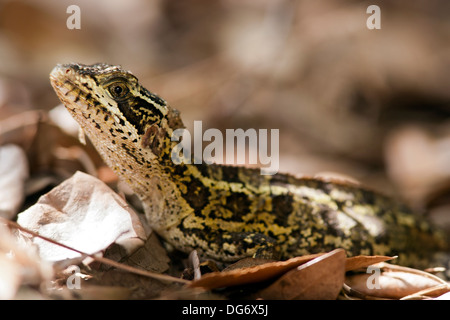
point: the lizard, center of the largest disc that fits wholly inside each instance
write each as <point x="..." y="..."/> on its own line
<point x="226" y="212"/>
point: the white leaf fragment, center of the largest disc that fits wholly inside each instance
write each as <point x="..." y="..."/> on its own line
<point x="13" y="173"/>
<point x="83" y="213"/>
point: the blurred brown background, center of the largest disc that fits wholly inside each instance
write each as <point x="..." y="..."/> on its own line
<point x="370" y="104"/>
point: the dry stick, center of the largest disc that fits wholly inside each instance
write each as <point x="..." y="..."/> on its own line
<point x="107" y="261"/>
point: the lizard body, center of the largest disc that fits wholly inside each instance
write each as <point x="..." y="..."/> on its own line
<point x="227" y="212"/>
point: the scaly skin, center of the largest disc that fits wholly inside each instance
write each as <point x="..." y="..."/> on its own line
<point x="226" y="212"/>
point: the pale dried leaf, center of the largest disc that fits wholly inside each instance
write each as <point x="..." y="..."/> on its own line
<point x="13" y="173"/>
<point x="9" y="278"/>
<point x="392" y="282"/>
<point x="321" y="278"/>
<point x="432" y="292"/>
<point x="85" y="214"/>
<point x="194" y="263"/>
<point x="19" y="265"/>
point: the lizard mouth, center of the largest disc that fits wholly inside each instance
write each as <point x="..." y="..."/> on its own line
<point x="77" y="97"/>
<point x="72" y="96"/>
<point x="69" y="94"/>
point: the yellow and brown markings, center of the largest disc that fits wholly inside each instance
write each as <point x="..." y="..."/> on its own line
<point x="228" y="212"/>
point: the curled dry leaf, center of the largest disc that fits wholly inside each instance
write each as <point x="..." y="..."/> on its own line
<point x="358" y="262"/>
<point x="247" y="263"/>
<point x="445" y="296"/>
<point x="83" y="213"/>
<point x="13" y="173"/>
<point x="247" y="271"/>
<point x="394" y="282"/>
<point x="437" y="292"/>
<point x="321" y="278"/>
<point x="248" y="275"/>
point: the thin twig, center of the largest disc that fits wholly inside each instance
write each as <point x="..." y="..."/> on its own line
<point x="106" y="261"/>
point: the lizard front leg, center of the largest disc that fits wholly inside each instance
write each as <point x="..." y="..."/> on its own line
<point x="238" y="245"/>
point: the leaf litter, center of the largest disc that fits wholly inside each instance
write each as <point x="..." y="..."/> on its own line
<point x="92" y="227"/>
<point x="318" y="276"/>
<point x="85" y="214"/>
<point x="13" y="174"/>
<point x="113" y="272"/>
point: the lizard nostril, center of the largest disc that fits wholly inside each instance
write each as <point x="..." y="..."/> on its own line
<point x="68" y="71"/>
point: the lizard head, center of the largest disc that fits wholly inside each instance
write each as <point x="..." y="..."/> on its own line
<point x="118" y="114"/>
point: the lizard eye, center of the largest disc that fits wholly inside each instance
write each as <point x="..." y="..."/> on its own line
<point x="118" y="90"/>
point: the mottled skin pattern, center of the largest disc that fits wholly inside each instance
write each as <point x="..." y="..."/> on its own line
<point x="225" y="212"/>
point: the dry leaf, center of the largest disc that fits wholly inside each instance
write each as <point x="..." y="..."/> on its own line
<point x="13" y="173"/>
<point x="435" y="292"/>
<point x="83" y="213"/>
<point x="20" y="128"/>
<point x="321" y="278"/>
<point x="139" y="287"/>
<point x="91" y="292"/>
<point x="445" y="296"/>
<point x="151" y="257"/>
<point x="248" y="275"/>
<point x="392" y="282"/>
<point x="19" y="265"/>
<point x="194" y="264"/>
<point x="9" y="278"/>
<point x="247" y="263"/>
<point x="318" y="276"/>
<point x="358" y="262"/>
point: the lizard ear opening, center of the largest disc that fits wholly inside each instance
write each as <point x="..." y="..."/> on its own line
<point x="154" y="139"/>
